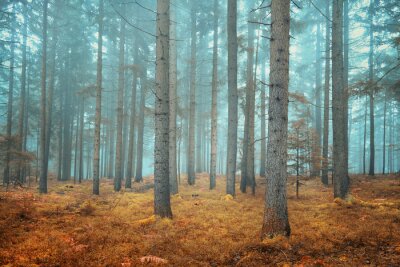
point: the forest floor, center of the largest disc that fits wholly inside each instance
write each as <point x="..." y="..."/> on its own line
<point x="70" y="227"/>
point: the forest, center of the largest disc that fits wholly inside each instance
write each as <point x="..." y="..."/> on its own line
<point x="199" y="133"/>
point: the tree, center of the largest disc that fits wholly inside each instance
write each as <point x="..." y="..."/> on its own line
<point x="214" y="96"/>
<point x="43" y="162"/>
<point x="97" y="124"/>
<point x="340" y="176"/>
<point x="162" y="206"/>
<point x="263" y="112"/>
<point x="276" y="221"/>
<point x="172" y="107"/>
<point x="232" y="98"/>
<point x="316" y="166"/>
<point x="192" y="106"/>
<point x="6" y="177"/>
<point x="128" y="180"/>
<point x="248" y="138"/>
<point x="21" y="120"/>
<point x="325" y="148"/>
<point x="371" y="88"/>
<point x="120" y="109"/>
<point x="142" y="106"/>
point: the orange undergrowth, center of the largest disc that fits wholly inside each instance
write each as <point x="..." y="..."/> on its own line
<point x="69" y="227"/>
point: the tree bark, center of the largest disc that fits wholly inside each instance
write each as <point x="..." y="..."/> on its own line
<point x="325" y="145"/>
<point x="128" y="180"/>
<point x="120" y="109"/>
<point x="384" y="134"/>
<point x="82" y="127"/>
<point x="346" y="78"/>
<point x="97" y="122"/>
<point x="316" y="162"/>
<point x="249" y="111"/>
<point x="192" y="106"/>
<point x="276" y="221"/>
<point x="142" y="106"/>
<point x="162" y="206"/>
<point x="371" y="88"/>
<point x="50" y="100"/>
<point x="214" y="101"/>
<point x="340" y="175"/>
<point x="232" y="98"/>
<point x="43" y="163"/>
<point x="173" y="182"/>
<point x="22" y="102"/>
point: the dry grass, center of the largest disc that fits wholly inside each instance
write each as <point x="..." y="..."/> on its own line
<point x="69" y="227"/>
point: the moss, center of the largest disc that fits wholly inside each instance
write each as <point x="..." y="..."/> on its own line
<point x="209" y="227"/>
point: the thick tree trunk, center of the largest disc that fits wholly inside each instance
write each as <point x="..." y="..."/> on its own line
<point x="340" y="176"/>
<point x="276" y="221"/>
<point x="162" y="205"/>
<point x="192" y="106"/>
<point x="214" y="101"/>
<point x="325" y="145"/>
<point x="173" y="182"/>
<point x="43" y="163"/>
<point x="120" y="109"/>
<point x="232" y="98"/>
<point x="249" y="111"/>
<point x="97" y="120"/>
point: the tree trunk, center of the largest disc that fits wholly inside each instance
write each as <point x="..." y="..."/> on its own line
<point x="325" y="145"/>
<point x="371" y="88"/>
<point x="120" y="109"/>
<point x="78" y="114"/>
<point x="346" y="78"/>
<point x="276" y="221"/>
<point x="384" y="135"/>
<point x="22" y="102"/>
<point x="232" y="97"/>
<point x="67" y="124"/>
<point x="249" y="110"/>
<point x="173" y="182"/>
<point x="43" y="164"/>
<point x="214" y="101"/>
<point x="128" y="180"/>
<point x="6" y="177"/>
<point x="112" y="146"/>
<point x="162" y="205"/>
<point x="142" y="106"/>
<point x="192" y="106"/>
<point x="340" y="175"/>
<point x="316" y="162"/>
<point x="50" y="100"/>
<point x="97" y="123"/>
<point x="365" y="136"/>
<point x="263" y="112"/>
<point x="82" y="127"/>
